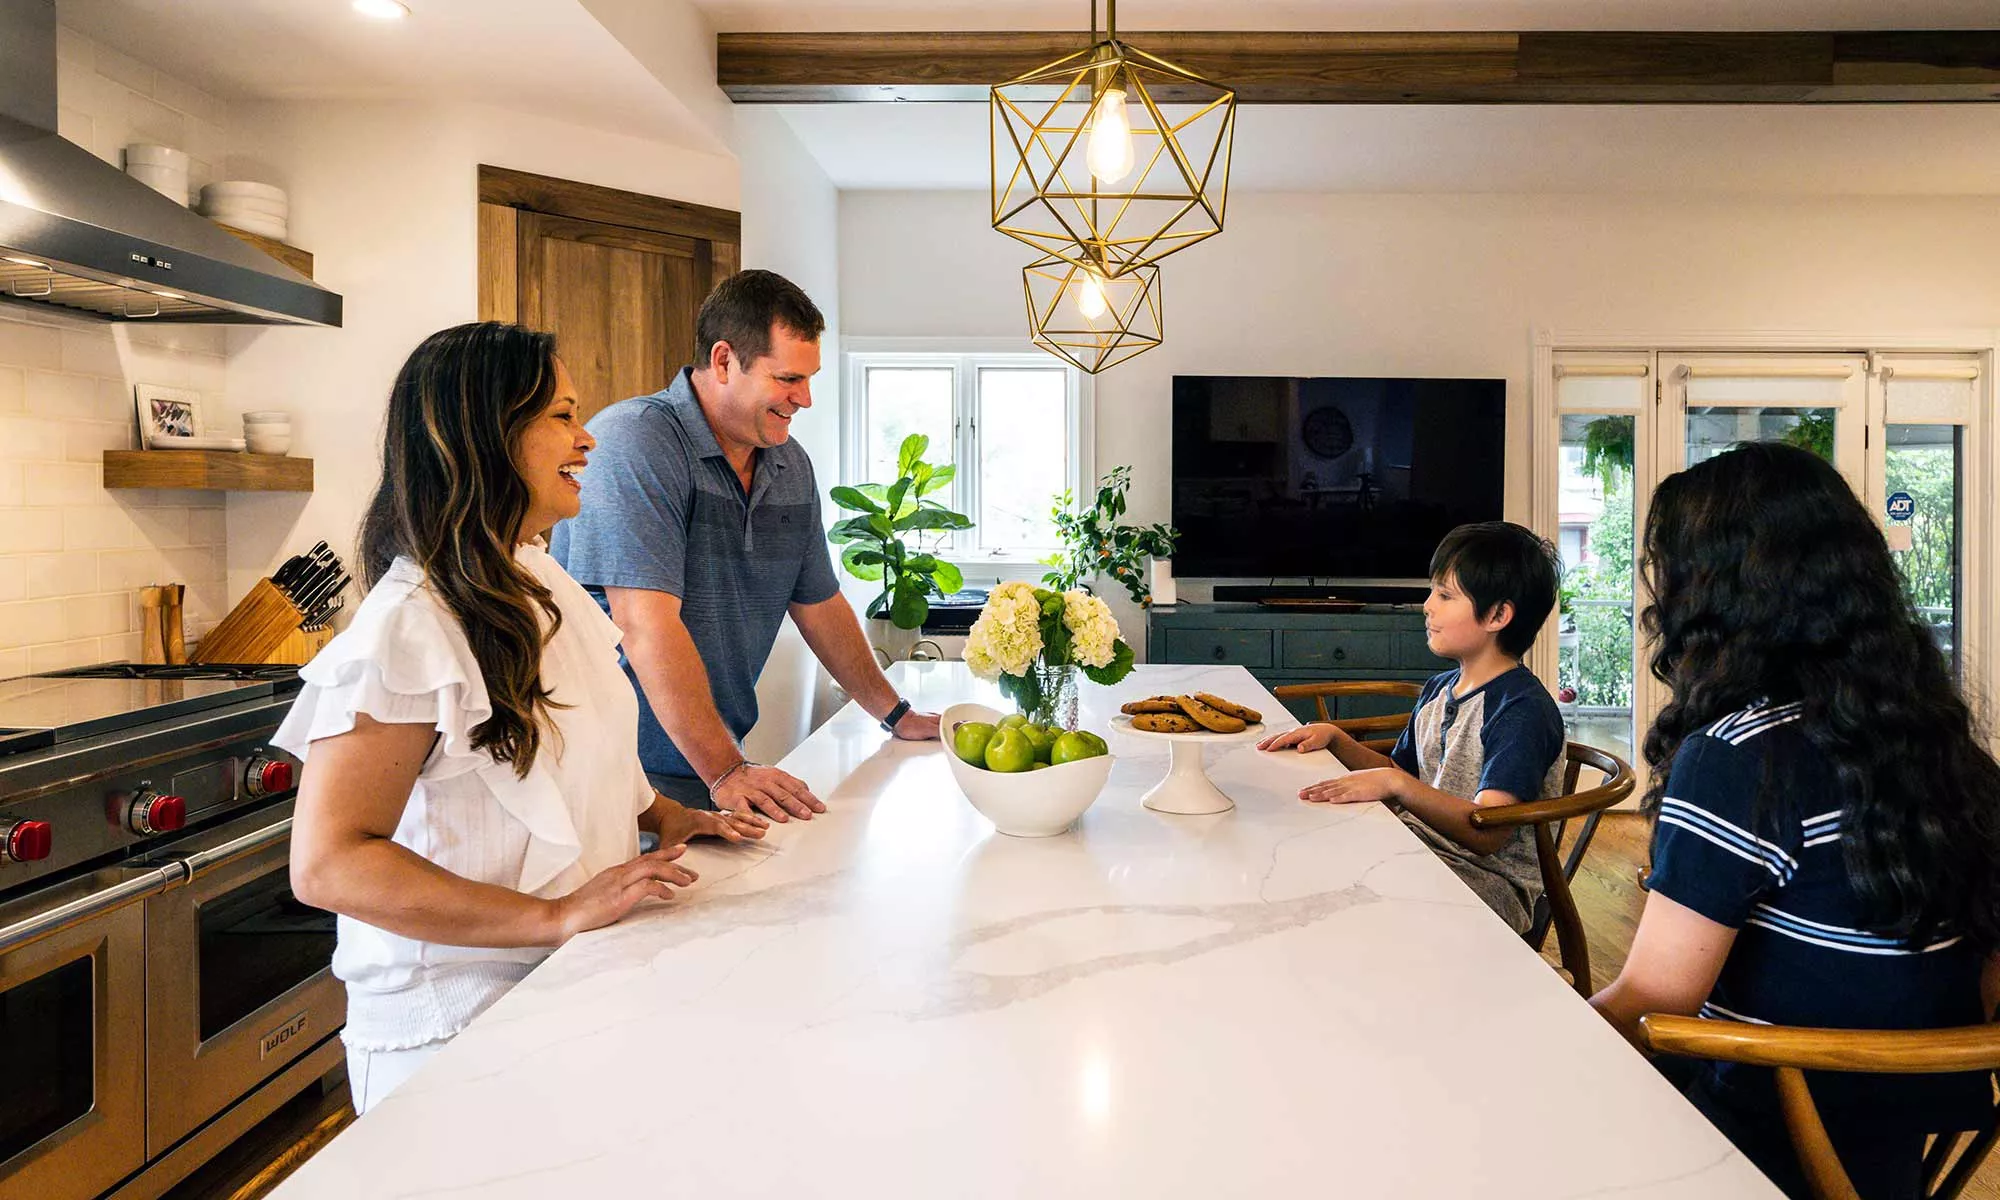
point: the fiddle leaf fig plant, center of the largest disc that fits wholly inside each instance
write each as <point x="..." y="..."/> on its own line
<point x="910" y="571"/>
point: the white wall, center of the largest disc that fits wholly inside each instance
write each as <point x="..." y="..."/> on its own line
<point x="386" y="198"/>
<point x="1438" y="285"/>
<point x="791" y="226"/>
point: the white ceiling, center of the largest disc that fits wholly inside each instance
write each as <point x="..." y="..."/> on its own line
<point x="1352" y="15"/>
<point x="553" y="57"/>
<point x="545" y="56"/>
<point x="1776" y="149"/>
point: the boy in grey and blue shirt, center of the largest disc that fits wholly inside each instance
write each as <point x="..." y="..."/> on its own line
<point x="1484" y="733"/>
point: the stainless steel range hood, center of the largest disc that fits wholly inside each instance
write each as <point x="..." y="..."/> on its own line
<point x="78" y="234"/>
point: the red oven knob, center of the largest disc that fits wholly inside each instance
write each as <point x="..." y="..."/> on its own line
<point x="153" y="813"/>
<point x="268" y="776"/>
<point x="25" y="841"/>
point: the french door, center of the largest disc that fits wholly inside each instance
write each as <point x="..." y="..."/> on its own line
<point x="1905" y="431"/>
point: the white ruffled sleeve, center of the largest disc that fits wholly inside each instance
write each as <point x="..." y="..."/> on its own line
<point x="404" y="661"/>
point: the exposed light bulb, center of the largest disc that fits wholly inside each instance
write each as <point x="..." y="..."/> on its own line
<point x="1110" y="150"/>
<point x="382" y="10"/>
<point x="1090" y="298"/>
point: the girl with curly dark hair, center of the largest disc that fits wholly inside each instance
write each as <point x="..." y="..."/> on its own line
<point x="472" y="794"/>
<point x="1826" y="849"/>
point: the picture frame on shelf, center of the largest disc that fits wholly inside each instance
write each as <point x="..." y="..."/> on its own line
<point x="165" y="412"/>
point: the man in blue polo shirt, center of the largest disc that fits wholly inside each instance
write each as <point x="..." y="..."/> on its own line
<point x="700" y="532"/>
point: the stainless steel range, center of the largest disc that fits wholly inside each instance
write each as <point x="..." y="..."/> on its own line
<point x="160" y="989"/>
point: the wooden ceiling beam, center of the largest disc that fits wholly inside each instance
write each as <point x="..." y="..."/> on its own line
<point x="1917" y="66"/>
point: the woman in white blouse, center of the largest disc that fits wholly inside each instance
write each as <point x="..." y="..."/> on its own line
<point x="472" y="795"/>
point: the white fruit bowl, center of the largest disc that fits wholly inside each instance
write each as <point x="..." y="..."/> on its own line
<point x="1023" y="803"/>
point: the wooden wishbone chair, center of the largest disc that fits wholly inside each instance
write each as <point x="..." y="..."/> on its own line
<point x="1793" y="1050"/>
<point x="1550" y="817"/>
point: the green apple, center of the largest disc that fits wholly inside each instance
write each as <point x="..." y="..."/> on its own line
<point x="969" y="743"/>
<point x="1097" y="743"/>
<point x="1040" y="766"/>
<point x="1010" y="751"/>
<point x="1042" y="737"/>
<point x="1071" y="747"/>
<point x="1013" y="721"/>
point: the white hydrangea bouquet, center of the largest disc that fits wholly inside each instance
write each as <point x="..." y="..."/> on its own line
<point x="1035" y="641"/>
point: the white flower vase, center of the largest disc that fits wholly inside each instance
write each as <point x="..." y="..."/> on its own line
<point x="1161" y="585"/>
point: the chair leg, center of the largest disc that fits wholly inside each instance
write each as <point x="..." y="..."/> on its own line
<point x="1562" y="910"/>
<point x="1938" y="1156"/>
<point x="1824" y="1174"/>
<point x="1968" y="1163"/>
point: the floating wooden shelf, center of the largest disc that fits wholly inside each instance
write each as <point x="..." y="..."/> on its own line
<point x="207" y="470"/>
<point x="293" y="257"/>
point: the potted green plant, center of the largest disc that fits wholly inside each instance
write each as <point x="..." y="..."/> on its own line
<point x="909" y="571"/>
<point x="1094" y="543"/>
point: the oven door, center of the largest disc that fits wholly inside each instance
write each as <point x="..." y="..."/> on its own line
<point x="239" y="976"/>
<point x="73" y="1036"/>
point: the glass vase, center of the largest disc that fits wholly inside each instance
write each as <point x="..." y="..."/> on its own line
<point x="1055" y="690"/>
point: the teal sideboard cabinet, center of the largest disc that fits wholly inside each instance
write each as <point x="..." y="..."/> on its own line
<point x="1378" y="642"/>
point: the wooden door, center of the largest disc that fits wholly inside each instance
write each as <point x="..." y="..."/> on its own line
<point x="617" y="277"/>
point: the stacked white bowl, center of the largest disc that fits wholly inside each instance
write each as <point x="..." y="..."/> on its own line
<point x="254" y="207"/>
<point x="162" y="168"/>
<point x="268" y="432"/>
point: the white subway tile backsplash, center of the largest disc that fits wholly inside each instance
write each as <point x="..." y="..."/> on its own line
<point x="73" y="554"/>
<point x="107" y="528"/>
<point x="32" y="621"/>
<point x="61" y="655"/>
<point x="100" y="616"/>
<point x="53" y="485"/>
<point x="86" y="441"/>
<point x="29" y="530"/>
<point x="166" y="528"/>
<point x="31" y="439"/>
<point x="92" y="352"/>
<point x="207" y="526"/>
<point x="75" y="397"/>
<point x="26" y="345"/>
<point x="51" y="576"/>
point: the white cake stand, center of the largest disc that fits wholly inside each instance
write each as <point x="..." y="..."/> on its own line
<point x="1187" y="789"/>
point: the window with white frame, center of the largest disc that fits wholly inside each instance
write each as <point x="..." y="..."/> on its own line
<point x="1012" y="423"/>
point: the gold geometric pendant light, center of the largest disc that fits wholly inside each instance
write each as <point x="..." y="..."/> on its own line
<point x="1089" y="320"/>
<point x="1110" y="158"/>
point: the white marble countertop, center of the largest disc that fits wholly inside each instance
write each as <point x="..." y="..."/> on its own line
<point x="896" y="1001"/>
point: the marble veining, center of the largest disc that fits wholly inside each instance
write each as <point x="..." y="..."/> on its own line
<point x="895" y="1000"/>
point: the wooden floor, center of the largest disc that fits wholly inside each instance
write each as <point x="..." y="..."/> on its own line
<point x="1607" y="894"/>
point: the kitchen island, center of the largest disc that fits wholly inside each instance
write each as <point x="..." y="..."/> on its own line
<point x="894" y="1000"/>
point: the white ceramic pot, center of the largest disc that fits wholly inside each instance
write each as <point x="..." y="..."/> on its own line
<point x="1026" y="803"/>
<point x="267" y="443"/>
<point x="267" y="416"/>
<point x="243" y="188"/>
<point x="148" y="154"/>
<point x="885" y="635"/>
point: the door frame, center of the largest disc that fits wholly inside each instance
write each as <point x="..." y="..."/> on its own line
<point x="504" y="193"/>
<point x="1982" y="507"/>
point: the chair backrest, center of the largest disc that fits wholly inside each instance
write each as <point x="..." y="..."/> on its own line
<point x="1793" y="1050"/>
<point x="1369" y="730"/>
<point x="1549" y="817"/>
<point x="1556" y="908"/>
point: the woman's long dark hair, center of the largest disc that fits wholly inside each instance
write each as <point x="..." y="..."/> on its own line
<point x="452" y="499"/>
<point x="1770" y="582"/>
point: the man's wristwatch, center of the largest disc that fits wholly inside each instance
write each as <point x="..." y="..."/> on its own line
<point x="895" y="714"/>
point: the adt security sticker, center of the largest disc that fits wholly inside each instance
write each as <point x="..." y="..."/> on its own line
<point x="1902" y="506"/>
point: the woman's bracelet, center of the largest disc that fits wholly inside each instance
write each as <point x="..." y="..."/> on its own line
<point x="726" y="774"/>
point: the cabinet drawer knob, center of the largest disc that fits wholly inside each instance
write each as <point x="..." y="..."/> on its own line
<point x="1339" y="654"/>
<point x="1220" y="654"/>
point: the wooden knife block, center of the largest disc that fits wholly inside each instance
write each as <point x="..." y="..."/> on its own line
<point x="254" y="630"/>
<point x="299" y="647"/>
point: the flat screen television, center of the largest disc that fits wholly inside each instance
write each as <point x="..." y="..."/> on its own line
<point x="1331" y="478"/>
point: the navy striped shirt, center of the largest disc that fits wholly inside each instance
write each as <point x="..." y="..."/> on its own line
<point x="1804" y="953"/>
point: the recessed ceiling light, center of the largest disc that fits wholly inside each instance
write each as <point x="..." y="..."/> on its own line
<point x="382" y="10"/>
